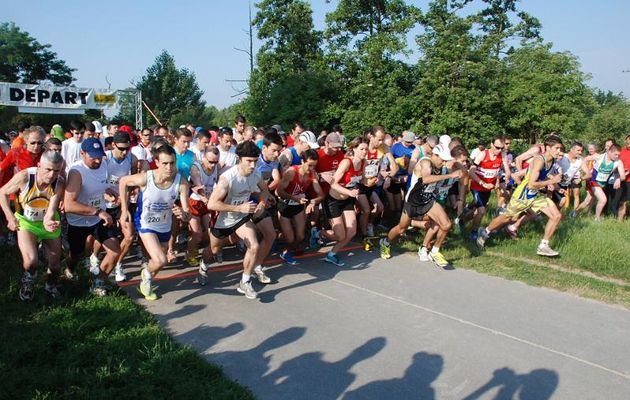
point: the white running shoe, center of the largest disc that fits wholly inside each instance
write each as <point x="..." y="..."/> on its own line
<point x="545" y="250"/>
<point x="120" y="273"/>
<point x="423" y="253"/>
<point x="247" y="289"/>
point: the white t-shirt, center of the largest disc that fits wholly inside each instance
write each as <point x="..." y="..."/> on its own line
<point x="71" y="152"/>
<point x="227" y="159"/>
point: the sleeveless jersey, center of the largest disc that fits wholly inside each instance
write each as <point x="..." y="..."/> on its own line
<point x="422" y="194"/>
<point x="488" y="171"/>
<point x="602" y="171"/>
<point x="265" y="168"/>
<point x="33" y="202"/>
<point x="154" y="205"/>
<point x="207" y="180"/>
<point x="523" y="192"/>
<point x="93" y="185"/>
<point x="239" y="189"/>
<point x="445" y="185"/>
<point x="296" y="186"/>
<point x="116" y="169"/>
<point x="352" y="176"/>
<point x="373" y="163"/>
<point x="295" y="157"/>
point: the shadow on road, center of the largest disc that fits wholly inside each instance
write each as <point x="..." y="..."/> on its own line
<point x="539" y="384"/>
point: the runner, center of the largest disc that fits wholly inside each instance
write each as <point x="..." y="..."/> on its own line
<point x="239" y="128"/>
<point x="21" y="158"/>
<point x="527" y="197"/>
<point x="84" y="204"/>
<point x="39" y="191"/>
<point x="484" y="178"/>
<point x="504" y="189"/>
<point x="227" y="151"/>
<point x="202" y="140"/>
<point x="203" y="175"/>
<point x="604" y="168"/>
<point x="296" y="129"/>
<point x="340" y="202"/>
<point x="141" y="151"/>
<point x="421" y="205"/>
<point x="231" y="198"/>
<point x="624" y="156"/>
<point x="571" y="164"/>
<point x="296" y="181"/>
<point x="159" y="189"/>
<point x="291" y="156"/>
<point x="402" y="153"/>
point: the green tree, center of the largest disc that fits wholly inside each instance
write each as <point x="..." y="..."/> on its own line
<point x="25" y="60"/>
<point x="290" y="81"/>
<point x="171" y="93"/>
<point x="610" y="119"/>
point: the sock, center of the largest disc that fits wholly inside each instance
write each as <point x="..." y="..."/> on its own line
<point x="435" y="250"/>
<point x="487" y="231"/>
<point x="258" y="268"/>
<point x="424" y="249"/>
<point x="544" y="242"/>
<point x="146" y="274"/>
<point x="385" y="241"/>
<point x="245" y="277"/>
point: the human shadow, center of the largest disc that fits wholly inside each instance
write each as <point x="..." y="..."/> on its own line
<point x="309" y="376"/>
<point x="539" y="384"/>
<point x="204" y="337"/>
<point x="415" y="384"/>
<point x="251" y="364"/>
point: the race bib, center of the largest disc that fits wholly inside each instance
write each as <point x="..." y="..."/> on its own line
<point x="95" y="202"/>
<point x="34" y="214"/>
<point x="113" y="180"/>
<point x="371" y="171"/>
<point x="489" y="173"/>
<point x="155" y="217"/>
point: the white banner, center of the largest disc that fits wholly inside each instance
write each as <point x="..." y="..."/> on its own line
<point x="60" y="97"/>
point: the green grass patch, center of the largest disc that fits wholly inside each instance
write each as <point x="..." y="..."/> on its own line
<point x="81" y="347"/>
<point x="584" y="246"/>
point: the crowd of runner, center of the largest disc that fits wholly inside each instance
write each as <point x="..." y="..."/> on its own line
<point x="85" y="197"/>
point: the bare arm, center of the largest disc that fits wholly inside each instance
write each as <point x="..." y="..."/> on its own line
<point x="275" y="180"/>
<point x="71" y="197"/>
<point x="13" y="186"/>
<point x="423" y="170"/>
<point x="285" y="158"/>
<point x="531" y="152"/>
<point x="339" y="173"/>
<point x="219" y="193"/>
<point x="50" y="224"/>
<point x="126" y="182"/>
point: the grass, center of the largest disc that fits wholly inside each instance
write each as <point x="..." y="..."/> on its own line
<point x="81" y="347"/>
<point x="592" y="262"/>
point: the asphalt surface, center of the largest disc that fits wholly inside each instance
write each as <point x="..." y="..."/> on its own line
<point x="396" y="329"/>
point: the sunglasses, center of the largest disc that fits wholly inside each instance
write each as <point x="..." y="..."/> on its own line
<point x="212" y="162"/>
<point x="122" y="148"/>
<point x="36" y="143"/>
<point x="499" y="147"/>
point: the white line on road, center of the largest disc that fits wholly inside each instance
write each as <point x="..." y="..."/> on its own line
<point x="322" y="294"/>
<point x="470" y="323"/>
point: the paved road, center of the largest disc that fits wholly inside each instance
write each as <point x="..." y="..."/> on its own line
<point x="398" y="329"/>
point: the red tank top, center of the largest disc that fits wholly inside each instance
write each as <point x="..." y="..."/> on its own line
<point x="488" y="171"/>
<point x="296" y="187"/>
<point x="352" y="175"/>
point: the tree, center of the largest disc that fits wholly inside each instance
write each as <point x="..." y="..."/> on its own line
<point x="611" y="117"/>
<point x="25" y="60"/>
<point x="170" y="91"/>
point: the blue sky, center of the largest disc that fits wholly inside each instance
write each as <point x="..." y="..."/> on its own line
<point x="120" y="39"/>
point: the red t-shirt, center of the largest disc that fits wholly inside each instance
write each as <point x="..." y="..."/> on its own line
<point x="327" y="163"/>
<point x="624" y="156"/>
<point x="290" y="141"/>
<point x="19" y="159"/>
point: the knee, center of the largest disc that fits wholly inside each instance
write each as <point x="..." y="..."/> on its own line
<point x="29" y="261"/>
<point x="160" y="260"/>
<point x="299" y="237"/>
<point x="446" y="225"/>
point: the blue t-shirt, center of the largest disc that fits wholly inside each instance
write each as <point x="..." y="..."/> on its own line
<point x="266" y="168"/>
<point x="185" y="162"/>
<point x="398" y="151"/>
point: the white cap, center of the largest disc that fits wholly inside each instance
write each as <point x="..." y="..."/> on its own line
<point x="98" y="126"/>
<point x="309" y="137"/>
<point x="445" y="140"/>
<point x="443" y="152"/>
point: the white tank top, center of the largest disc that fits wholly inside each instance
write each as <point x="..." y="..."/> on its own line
<point x="116" y="169"/>
<point x="93" y="185"/>
<point x="155" y="204"/>
<point x="207" y="181"/>
<point x="240" y="189"/>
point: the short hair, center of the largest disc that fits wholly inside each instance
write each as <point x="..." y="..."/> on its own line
<point x="272" y="137"/>
<point x="90" y="127"/>
<point x="161" y="127"/>
<point x="459" y="151"/>
<point x="377" y="128"/>
<point x="240" y="118"/>
<point x="594" y="145"/>
<point x="109" y="140"/>
<point x="297" y="124"/>
<point x="53" y="141"/>
<point x="432" y="140"/>
<point x="500" y="138"/>
<point x="614" y="147"/>
<point x="247" y="149"/>
<point x="577" y="144"/>
<point x="147" y="129"/>
<point x="213" y="150"/>
<point x="182" y="132"/>
<point x="52" y="157"/>
<point x="36" y="129"/>
<point x="610" y="140"/>
<point x="309" y="154"/>
<point x="22" y="126"/>
<point x="357" y="141"/>
<point x="164" y="149"/>
<point x="225" y="131"/>
<point x="76" y="125"/>
<point x="203" y="134"/>
<point x="553" y="140"/>
<point x="337" y="128"/>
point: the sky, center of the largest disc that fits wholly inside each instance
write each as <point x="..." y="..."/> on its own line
<point x="117" y="41"/>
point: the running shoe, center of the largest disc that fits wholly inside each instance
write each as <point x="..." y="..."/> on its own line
<point x="247" y="289"/>
<point x="52" y="290"/>
<point x="146" y="288"/>
<point x="367" y="246"/>
<point x="119" y="273"/>
<point x="288" y="257"/>
<point x="261" y="276"/>
<point x="572" y="214"/>
<point x="511" y="231"/>
<point x="423" y="254"/>
<point x="386" y="250"/>
<point x="26" y="290"/>
<point x="94" y="261"/>
<point x="473" y="236"/>
<point x="98" y="288"/>
<point x="313" y="241"/>
<point x="482" y="237"/>
<point x="333" y="259"/>
<point x="202" y="277"/>
<point x="71" y="276"/>
<point x="219" y="256"/>
<point x="192" y="261"/>
<point x="545" y="250"/>
<point x="438" y="259"/>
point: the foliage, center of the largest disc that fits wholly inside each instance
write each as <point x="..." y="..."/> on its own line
<point x="171" y="93"/>
<point x="25" y="60"/>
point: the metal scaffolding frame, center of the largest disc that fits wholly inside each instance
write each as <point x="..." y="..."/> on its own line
<point x="137" y="96"/>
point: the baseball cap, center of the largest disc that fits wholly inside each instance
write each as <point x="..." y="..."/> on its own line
<point x="93" y="147"/>
<point x="443" y="152"/>
<point x="334" y="140"/>
<point x="409" y="137"/>
<point x="445" y="140"/>
<point x="278" y="129"/>
<point x="309" y="137"/>
<point x="121" y="137"/>
<point x="98" y="126"/>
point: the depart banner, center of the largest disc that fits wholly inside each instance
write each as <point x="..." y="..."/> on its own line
<point x="62" y="97"/>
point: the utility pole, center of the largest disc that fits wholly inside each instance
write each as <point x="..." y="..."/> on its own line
<point x="250" y="54"/>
